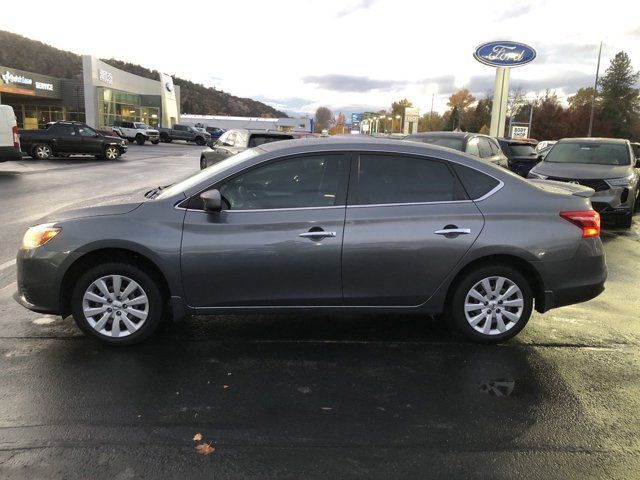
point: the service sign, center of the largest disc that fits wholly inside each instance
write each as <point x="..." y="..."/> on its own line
<point x="504" y="54"/>
<point x="20" y="82"/>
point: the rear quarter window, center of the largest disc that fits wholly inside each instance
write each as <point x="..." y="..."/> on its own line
<point x="477" y="184"/>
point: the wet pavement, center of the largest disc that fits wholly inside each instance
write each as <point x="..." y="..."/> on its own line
<point x="313" y="396"/>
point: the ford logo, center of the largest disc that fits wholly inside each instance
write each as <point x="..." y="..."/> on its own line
<point x="504" y="54"/>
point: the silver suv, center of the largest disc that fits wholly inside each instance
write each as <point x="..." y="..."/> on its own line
<point x="607" y="165"/>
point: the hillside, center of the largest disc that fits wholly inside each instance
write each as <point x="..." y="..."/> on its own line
<point x="26" y="54"/>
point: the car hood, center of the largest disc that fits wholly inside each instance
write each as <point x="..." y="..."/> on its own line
<point x="112" y="205"/>
<point x="113" y="138"/>
<point x="581" y="170"/>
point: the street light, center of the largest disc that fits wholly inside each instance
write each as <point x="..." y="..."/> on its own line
<point x="398" y="117"/>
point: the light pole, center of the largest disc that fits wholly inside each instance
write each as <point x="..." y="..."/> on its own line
<point x="398" y="117"/>
<point x="595" y="92"/>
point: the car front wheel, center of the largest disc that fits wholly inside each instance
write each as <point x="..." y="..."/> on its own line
<point x="492" y="304"/>
<point x="203" y="163"/>
<point x="117" y="303"/>
<point x="111" y="152"/>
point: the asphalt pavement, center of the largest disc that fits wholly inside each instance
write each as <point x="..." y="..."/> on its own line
<point x="313" y="396"/>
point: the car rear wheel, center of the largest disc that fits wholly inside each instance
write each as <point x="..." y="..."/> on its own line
<point x="200" y="141"/>
<point x="140" y="139"/>
<point x="111" y="152"/>
<point x="42" y="151"/>
<point x="117" y="303"/>
<point x="492" y="304"/>
<point x="203" y="163"/>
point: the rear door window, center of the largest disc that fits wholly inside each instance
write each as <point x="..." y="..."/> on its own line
<point x="392" y="178"/>
<point x="260" y="139"/>
<point x="476" y="183"/>
<point x="484" y="147"/>
<point x="472" y="147"/>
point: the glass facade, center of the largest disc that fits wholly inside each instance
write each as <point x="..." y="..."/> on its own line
<point x="33" y="116"/>
<point x="116" y="106"/>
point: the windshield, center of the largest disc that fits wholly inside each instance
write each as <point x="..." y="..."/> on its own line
<point x="208" y="172"/>
<point x="522" y="150"/>
<point x="589" y="153"/>
<point x="449" y="142"/>
<point x="141" y="125"/>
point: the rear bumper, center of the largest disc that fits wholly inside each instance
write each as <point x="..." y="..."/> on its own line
<point x="10" y="154"/>
<point x="573" y="281"/>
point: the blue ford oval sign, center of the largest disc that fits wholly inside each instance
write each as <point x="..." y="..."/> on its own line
<point x="504" y="54"/>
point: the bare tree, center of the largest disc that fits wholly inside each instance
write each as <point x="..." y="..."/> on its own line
<point x="323" y="119"/>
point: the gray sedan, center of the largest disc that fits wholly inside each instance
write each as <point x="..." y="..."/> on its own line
<point x="322" y="225"/>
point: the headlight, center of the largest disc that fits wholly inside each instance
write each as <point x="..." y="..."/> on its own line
<point x="536" y="176"/>
<point x="39" y="235"/>
<point x="621" y="182"/>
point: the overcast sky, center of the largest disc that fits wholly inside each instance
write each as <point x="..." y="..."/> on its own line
<point x="350" y="55"/>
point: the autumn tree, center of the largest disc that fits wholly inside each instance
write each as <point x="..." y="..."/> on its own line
<point x="459" y="103"/>
<point x="620" y="98"/>
<point x="548" y="117"/>
<point x="323" y="118"/>
<point x="337" y="124"/>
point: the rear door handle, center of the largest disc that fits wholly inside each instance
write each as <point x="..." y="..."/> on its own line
<point x="453" y="231"/>
<point x="317" y="234"/>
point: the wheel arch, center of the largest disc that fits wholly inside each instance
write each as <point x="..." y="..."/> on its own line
<point x="108" y="255"/>
<point x="520" y="264"/>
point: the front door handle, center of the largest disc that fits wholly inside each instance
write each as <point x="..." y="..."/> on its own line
<point x="453" y="231"/>
<point x="317" y="234"/>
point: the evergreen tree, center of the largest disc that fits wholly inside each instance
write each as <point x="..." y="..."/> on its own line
<point x="620" y="99"/>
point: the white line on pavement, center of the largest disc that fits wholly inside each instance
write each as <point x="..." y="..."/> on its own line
<point x="8" y="264"/>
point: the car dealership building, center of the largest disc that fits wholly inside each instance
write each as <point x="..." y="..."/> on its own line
<point x="103" y="97"/>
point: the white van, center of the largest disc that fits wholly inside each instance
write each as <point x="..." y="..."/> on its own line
<point x="9" y="138"/>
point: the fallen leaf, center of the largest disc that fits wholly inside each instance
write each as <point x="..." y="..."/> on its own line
<point x="225" y="386"/>
<point x="205" y="449"/>
<point x="304" y="390"/>
<point x="197" y="437"/>
<point x="326" y="408"/>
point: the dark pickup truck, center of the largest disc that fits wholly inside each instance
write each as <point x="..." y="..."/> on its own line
<point x="62" y="139"/>
<point x="236" y="141"/>
<point x="186" y="133"/>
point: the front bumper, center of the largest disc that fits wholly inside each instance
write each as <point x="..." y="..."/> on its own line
<point x="122" y="148"/>
<point x="40" y="274"/>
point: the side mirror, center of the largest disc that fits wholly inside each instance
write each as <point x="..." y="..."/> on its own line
<point x="96" y="135"/>
<point x="211" y="201"/>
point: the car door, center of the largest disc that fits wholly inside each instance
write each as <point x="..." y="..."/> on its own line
<point x="65" y="138"/>
<point x="408" y="223"/>
<point x="277" y="241"/>
<point x="92" y="141"/>
<point x="179" y="132"/>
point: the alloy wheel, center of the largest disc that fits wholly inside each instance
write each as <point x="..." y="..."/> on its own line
<point x="43" y="152"/>
<point x="494" y="305"/>
<point x="115" y="306"/>
<point x="111" y="153"/>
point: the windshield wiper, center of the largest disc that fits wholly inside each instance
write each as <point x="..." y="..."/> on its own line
<point x="154" y="192"/>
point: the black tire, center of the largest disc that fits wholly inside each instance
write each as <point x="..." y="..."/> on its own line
<point x="147" y="283"/>
<point x="200" y="141"/>
<point x="111" y="152"/>
<point x="140" y="139"/>
<point x="155" y="142"/>
<point x="42" y="151"/>
<point x="203" y="163"/>
<point x="464" y="286"/>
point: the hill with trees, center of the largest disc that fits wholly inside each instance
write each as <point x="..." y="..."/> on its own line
<point x="33" y="56"/>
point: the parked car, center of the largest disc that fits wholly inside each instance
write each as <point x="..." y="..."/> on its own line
<point x="607" y="165"/>
<point x="69" y="138"/>
<point x="238" y="140"/>
<point x="545" y="144"/>
<point x="521" y="154"/>
<point x="137" y="132"/>
<point x="215" y="132"/>
<point x="323" y="225"/>
<point x="184" y="132"/>
<point x="484" y="147"/>
<point x="9" y="137"/>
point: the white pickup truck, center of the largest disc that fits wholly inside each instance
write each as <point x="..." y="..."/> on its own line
<point x="137" y="132"/>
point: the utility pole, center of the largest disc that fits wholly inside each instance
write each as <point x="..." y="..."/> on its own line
<point x="595" y="92"/>
<point x="431" y="114"/>
<point x="531" y="121"/>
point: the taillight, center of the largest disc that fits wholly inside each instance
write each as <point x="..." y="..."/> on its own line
<point x="16" y="138"/>
<point x="587" y="220"/>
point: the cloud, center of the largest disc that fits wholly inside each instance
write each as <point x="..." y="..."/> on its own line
<point x="515" y="11"/>
<point x="567" y="53"/>
<point x="352" y="83"/>
<point x="354" y="7"/>
<point x="566" y="81"/>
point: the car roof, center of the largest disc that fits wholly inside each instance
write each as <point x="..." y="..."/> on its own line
<point x="257" y="130"/>
<point x="594" y="140"/>
<point x="443" y="134"/>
